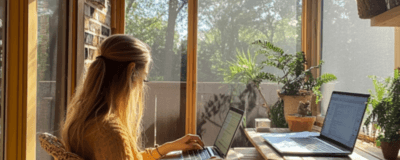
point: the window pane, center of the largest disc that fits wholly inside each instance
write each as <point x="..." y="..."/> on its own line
<point x="226" y="28"/>
<point x="162" y="24"/>
<point x="352" y="49"/>
<point x="50" y="59"/>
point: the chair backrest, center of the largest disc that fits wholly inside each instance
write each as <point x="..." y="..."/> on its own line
<point x="54" y="147"/>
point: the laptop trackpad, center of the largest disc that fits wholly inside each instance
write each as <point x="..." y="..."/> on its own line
<point x="302" y="145"/>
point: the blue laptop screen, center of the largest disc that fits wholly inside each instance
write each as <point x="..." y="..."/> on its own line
<point x="343" y="118"/>
<point x="227" y="132"/>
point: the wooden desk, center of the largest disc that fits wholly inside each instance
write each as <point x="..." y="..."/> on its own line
<point x="267" y="152"/>
<point x="242" y="153"/>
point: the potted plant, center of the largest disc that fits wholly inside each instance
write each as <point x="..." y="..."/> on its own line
<point x="302" y="120"/>
<point x="385" y="115"/>
<point x="299" y="84"/>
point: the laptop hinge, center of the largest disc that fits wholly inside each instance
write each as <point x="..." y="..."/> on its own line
<point x="334" y="143"/>
<point x="218" y="151"/>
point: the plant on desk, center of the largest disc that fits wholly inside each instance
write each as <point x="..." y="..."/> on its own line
<point x="299" y="84"/>
<point x="385" y="113"/>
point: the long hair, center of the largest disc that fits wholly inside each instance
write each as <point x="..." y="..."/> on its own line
<point x="113" y="86"/>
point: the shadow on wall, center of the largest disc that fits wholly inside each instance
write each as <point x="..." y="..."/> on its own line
<point x="212" y="109"/>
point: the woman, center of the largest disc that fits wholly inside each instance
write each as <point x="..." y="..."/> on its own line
<point x="104" y="116"/>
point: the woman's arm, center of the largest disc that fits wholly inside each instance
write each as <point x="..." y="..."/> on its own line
<point x="188" y="142"/>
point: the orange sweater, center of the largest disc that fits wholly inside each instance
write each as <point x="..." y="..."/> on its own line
<point x="111" y="142"/>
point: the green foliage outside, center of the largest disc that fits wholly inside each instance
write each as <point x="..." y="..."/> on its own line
<point x="224" y="26"/>
<point x="149" y="21"/>
<point x="386" y="108"/>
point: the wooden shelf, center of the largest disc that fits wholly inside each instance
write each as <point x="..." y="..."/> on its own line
<point x="390" y="18"/>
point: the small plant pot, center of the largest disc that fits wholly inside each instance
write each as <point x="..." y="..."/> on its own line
<point x="390" y="150"/>
<point x="299" y="124"/>
<point x="291" y="103"/>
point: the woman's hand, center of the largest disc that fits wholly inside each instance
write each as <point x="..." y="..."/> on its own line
<point x="187" y="142"/>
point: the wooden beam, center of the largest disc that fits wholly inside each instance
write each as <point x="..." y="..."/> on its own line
<point x="21" y="77"/>
<point x="72" y="52"/>
<point x="390" y="18"/>
<point x="311" y="40"/>
<point x="396" y="47"/>
<point x="118" y="16"/>
<point x="191" y="91"/>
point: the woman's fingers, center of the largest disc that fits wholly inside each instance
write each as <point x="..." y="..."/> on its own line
<point x="192" y="146"/>
<point x="197" y="139"/>
<point x="196" y="146"/>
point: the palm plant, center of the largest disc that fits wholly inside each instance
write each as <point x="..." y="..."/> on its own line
<point x="245" y="69"/>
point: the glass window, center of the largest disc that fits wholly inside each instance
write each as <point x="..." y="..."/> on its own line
<point x="162" y="24"/>
<point x="227" y="28"/>
<point x="352" y="49"/>
<point x="50" y="74"/>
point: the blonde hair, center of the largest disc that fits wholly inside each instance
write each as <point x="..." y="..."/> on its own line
<point x="113" y="85"/>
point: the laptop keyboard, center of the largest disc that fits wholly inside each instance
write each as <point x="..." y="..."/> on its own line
<point x="315" y="145"/>
<point x="197" y="154"/>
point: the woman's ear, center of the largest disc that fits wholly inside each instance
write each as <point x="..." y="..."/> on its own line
<point x="132" y="71"/>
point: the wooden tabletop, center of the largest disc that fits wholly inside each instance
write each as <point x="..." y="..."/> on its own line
<point x="267" y="152"/>
<point x="237" y="153"/>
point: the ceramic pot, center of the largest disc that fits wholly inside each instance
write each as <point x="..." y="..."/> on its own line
<point x="299" y="124"/>
<point x="390" y="150"/>
<point x="291" y="102"/>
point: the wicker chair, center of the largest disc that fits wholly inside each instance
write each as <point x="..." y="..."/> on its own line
<point x="54" y="147"/>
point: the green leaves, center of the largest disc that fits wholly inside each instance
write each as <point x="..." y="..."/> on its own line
<point x="378" y="142"/>
<point x="295" y="77"/>
<point x="244" y="69"/>
<point x="386" y="107"/>
<point x="325" y="78"/>
<point x="269" y="46"/>
<point x="277" y="115"/>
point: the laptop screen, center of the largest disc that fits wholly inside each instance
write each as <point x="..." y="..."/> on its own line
<point x="227" y="131"/>
<point x="344" y="116"/>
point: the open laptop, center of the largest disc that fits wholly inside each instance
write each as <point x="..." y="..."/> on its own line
<point x="338" y="134"/>
<point x="223" y="141"/>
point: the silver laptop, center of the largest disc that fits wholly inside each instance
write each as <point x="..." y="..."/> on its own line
<point x="223" y="141"/>
<point x="339" y="132"/>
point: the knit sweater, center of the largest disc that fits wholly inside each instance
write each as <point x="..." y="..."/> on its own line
<point x="111" y="141"/>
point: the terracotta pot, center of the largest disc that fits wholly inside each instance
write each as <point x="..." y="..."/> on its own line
<point x="291" y="102"/>
<point x="299" y="124"/>
<point x="390" y="150"/>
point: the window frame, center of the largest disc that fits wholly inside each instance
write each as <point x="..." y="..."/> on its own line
<point x="3" y="75"/>
<point x="20" y="80"/>
<point x="191" y="81"/>
<point x="21" y="75"/>
<point x="311" y="45"/>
